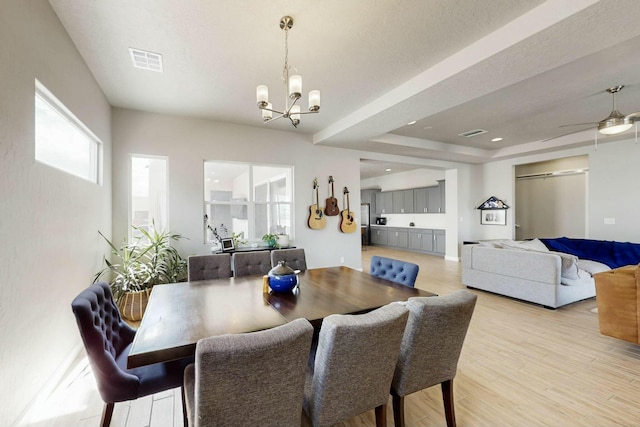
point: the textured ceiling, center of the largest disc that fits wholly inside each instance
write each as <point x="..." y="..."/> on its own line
<point x="517" y="68"/>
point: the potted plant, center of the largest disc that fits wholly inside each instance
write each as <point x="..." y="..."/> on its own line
<point x="138" y="266"/>
<point x="271" y="239"/>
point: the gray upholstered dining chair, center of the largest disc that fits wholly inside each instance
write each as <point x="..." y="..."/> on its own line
<point x="431" y="348"/>
<point x="107" y="340"/>
<point x="251" y="263"/>
<point x="293" y="258"/>
<point x="205" y="267"/>
<point x="354" y="365"/>
<point x="395" y="270"/>
<point x="252" y="379"/>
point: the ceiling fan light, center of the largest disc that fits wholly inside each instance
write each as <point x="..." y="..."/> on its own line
<point x="614" y="125"/>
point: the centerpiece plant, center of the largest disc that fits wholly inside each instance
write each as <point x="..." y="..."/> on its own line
<point x="135" y="267"/>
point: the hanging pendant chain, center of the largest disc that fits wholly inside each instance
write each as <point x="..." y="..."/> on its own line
<point x="285" y="71"/>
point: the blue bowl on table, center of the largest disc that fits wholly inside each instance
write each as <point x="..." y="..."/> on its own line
<point x="282" y="278"/>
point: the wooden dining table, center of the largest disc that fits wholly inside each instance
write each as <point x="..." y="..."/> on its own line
<point x="179" y="314"/>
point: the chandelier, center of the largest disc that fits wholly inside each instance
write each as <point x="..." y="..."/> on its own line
<point x="293" y="89"/>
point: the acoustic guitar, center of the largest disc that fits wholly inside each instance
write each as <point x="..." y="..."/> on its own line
<point x="347" y="220"/>
<point x="317" y="220"/>
<point x="331" y="206"/>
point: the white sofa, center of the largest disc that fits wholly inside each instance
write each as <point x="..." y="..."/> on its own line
<point x="529" y="271"/>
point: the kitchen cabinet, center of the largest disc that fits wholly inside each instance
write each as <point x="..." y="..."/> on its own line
<point x="439" y="242"/>
<point x="384" y="202"/>
<point x="421" y="240"/>
<point x="379" y="236"/>
<point x="402" y="201"/>
<point x="397" y="237"/>
<point x="429" y="199"/>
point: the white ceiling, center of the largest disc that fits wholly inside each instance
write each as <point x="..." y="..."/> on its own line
<point x="519" y="69"/>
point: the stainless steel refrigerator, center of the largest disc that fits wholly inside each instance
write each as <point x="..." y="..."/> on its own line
<point x="365" y="229"/>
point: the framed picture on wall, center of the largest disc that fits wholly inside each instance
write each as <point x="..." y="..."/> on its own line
<point x="493" y="217"/>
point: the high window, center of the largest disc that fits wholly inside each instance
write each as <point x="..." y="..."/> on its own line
<point x="148" y="201"/>
<point x="247" y="200"/>
<point x="62" y="141"/>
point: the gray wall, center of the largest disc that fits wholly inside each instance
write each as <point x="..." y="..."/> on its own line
<point x="49" y="220"/>
<point x="187" y="142"/>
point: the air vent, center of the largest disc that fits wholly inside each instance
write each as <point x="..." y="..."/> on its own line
<point x="470" y="133"/>
<point x="146" y="60"/>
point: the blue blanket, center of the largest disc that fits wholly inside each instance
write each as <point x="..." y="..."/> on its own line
<point x="613" y="254"/>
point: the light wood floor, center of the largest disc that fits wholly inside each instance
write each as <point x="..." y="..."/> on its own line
<point x="522" y="365"/>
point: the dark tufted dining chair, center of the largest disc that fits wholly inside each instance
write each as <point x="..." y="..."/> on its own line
<point x="395" y="270"/>
<point x="251" y="263"/>
<point x="107" y="339"/>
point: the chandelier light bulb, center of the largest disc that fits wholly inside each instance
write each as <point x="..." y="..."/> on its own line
<point x="314" y="100"/>
<point x="295" y="114"/>
<point x="262" y="95"/>
<point x="295" y="87"/>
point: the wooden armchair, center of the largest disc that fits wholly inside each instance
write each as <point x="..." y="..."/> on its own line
<point x="617" y="297"/>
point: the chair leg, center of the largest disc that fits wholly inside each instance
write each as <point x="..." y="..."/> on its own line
<point x="107" y="412"/>
<point x="398" y="411"/>
<point x="447" y="396"/>
<point x="381" y="415"/>
<point x="185" y="418"/>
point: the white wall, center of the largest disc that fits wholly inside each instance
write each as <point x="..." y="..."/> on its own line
<point x="612" y="191"/>
<point x="49" y="220"/>
<point x="188" y="142"/>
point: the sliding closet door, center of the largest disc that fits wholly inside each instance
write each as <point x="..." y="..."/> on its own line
<point x="551" y="206"/>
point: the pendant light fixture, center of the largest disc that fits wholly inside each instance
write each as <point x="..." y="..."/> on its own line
<point x="293" y="89"/>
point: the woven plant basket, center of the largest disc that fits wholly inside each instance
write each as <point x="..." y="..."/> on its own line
<point x="133" y="304"/>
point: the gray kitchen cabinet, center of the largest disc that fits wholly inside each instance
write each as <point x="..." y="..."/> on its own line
<point x="384" y="202"/>
<point x="402" y="201"/>
<point x="397" y="237"/>
<point x="379" y="236"/>
<point x="420" y="200"/>
<point x="439" y="242"/>
<point x="421" y="240"/>
<point x="441" y="186"/>
<point x="434" y="202"/>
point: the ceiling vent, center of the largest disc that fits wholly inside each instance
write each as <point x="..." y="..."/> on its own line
<point x="146" y="60"/>
<point x="470" y="133"/>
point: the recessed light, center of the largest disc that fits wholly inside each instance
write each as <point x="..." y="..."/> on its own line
<point x="387" y="170"/>
<point x="496" y="139"/>
<point x="412" y="123"/>
<point x="428" y="127"/>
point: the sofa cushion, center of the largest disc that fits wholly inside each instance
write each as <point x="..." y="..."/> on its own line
<point x="569" y="265"/>
<point x="592" y="267"/>
<point x="526" y="245"/>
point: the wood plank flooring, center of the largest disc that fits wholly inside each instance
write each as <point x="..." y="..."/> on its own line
<point x="522" y="365"/>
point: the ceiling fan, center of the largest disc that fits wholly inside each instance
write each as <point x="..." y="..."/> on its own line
<point x="614" y="123"/>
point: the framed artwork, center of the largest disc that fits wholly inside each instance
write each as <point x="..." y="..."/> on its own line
<point x="493" y="217"/>
<point x="227" y="244"/>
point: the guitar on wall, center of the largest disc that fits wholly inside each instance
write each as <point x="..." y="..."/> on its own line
<point x="331" y="206"/>
<point x="317" y="220"/>
<point x="347" y="220"/>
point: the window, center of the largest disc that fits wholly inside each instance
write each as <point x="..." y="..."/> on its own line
<point x="148" y="201"/>
<point x="61" y="140"/>
<point x="247" y="200"/>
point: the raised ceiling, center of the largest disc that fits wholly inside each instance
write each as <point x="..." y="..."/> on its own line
<point x="518" y="69"/>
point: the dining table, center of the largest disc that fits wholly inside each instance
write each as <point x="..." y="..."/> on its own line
<point x="180" y="314"/>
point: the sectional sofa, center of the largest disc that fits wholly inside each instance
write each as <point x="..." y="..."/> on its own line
<point x="529" y="271"/>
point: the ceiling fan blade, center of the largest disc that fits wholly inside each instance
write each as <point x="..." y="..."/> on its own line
<point x="566" y="134"/>
<point x="634" y="116"/>
<point x="581" y="124"/>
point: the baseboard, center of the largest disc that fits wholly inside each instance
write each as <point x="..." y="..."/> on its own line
<point x="452" y="258"/>
<point x="51" y="384"/>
